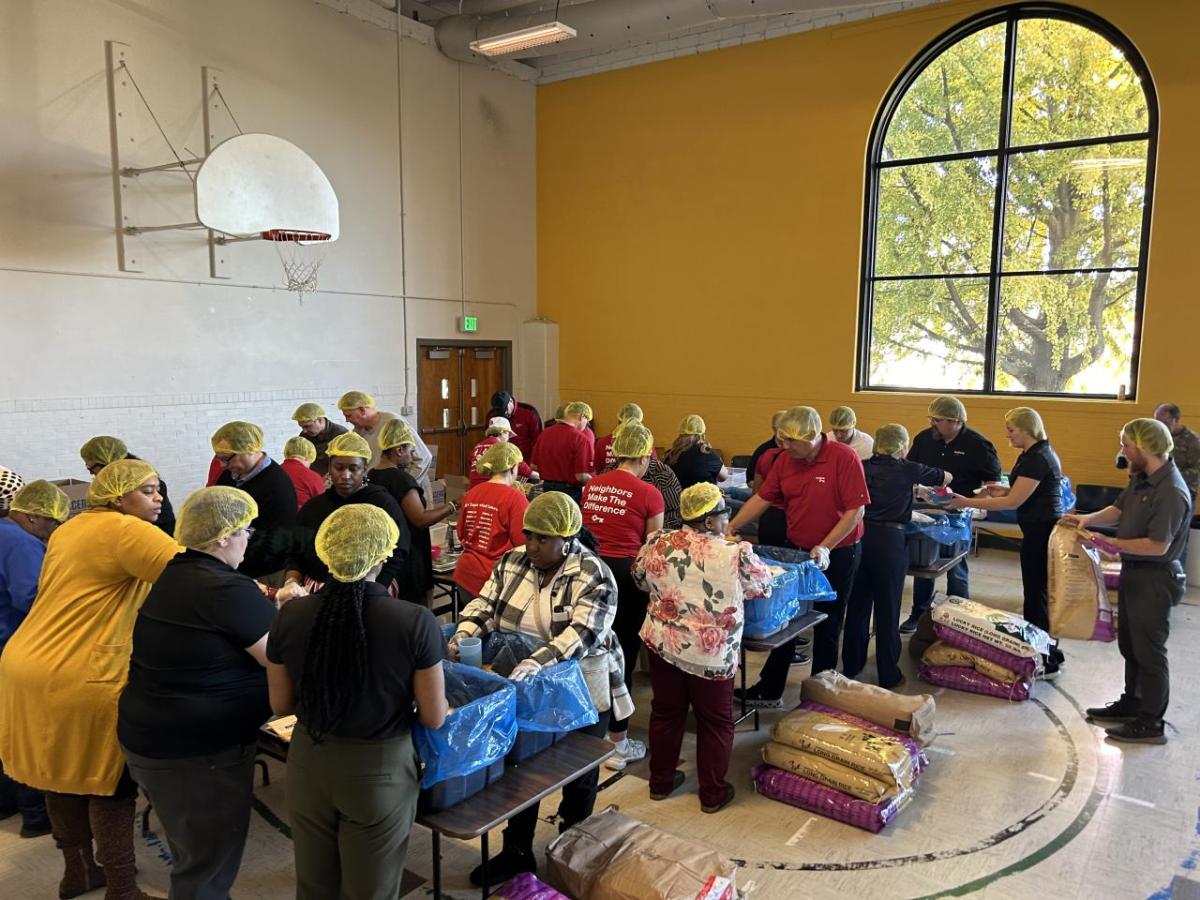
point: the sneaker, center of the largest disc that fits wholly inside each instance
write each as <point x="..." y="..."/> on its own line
<point x="35" y="829"/>
<point x="634" y="751"/>
<point x="1051" y="670"/>
<point x="799" y="657"/>
<point x="675" y="785"/>
<point x="909" y="625"/>
<point x="717" y="807"/>
<point x="755" y="699"/>
<point x="504" y="866"/>
<point x="1138" y="731"/>
<point x="1118" y="711"/>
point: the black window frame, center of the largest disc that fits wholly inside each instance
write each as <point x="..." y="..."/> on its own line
<point x="1009" y="16"/>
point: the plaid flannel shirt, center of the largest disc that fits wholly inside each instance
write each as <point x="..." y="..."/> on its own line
<point x="583" y="605"/>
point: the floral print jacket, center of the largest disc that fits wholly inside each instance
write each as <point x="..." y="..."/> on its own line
<point x="697" y="583"/>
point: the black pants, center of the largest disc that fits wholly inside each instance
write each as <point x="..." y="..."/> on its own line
<point x="772" y="528"/>
<point x="878" y="587"/>
<point x="843" y="564"/>
<point x="956" y="586"/>
<point x="1035" y="572"/>
<point x="574" y="491"/>
<point x="1146" y="595"/>
<point x="578" y="801"/>
<point x="632" y="603"/>
<point x="16" y="797"/>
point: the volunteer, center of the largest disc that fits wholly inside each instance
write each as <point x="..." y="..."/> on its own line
<point x="348" y="455"/>
<point x="526" y="420"/>
<point x="660" y="475"/>
<point x="299" y="454"/>
<point x="239" y="448"/>
<point x="694" y="640"/>
<point x="691" y="457"/>
<point x="564" y="453"/>
<point x="967" y="455"/>
<point x="605" y="460"/>
<point x="315" y="426"/>
<point x="622" y="511"/>
<point x="821" y="485"/>
<point x="352" y="664"/>
<point x="769" y="444"/>
<point x="490" y="523"/>
<point x="498" y="430"/>
<point x="63" y="671"/>
<point x="359" y="409"/>
<point x="1036" y="494"/>
<point x="879" y="584"/>
<point x="99" y="451"/>
<point x="10" y="483"/>
<point x="843" y="428"/>
<point x="36" y="510"/>
<point x="1186" y="454"/>
<point x="397" y="443"/>
<point x="559" y="591"/>
<point x="1152" y="516"/>
<point x="188" y="720"/>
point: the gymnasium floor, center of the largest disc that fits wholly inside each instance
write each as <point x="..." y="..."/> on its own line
<point x="1020" y="800"/>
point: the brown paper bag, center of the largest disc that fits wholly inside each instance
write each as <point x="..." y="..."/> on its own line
<point x="1079" y="606"/>
<point x="826" y="772"/>
<point x="911" y="715"/>
<point x="882" y="757"/>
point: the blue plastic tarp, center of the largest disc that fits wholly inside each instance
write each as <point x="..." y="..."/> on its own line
<point x="478" y="731"/>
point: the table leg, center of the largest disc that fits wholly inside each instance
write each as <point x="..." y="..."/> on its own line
<point x="483" y="844"/>
<point x="437" y="865"/>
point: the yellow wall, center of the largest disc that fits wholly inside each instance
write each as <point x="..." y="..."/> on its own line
<point x="678" y="199"/>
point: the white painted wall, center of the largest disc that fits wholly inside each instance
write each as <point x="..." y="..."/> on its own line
<point x="433" y="164"/>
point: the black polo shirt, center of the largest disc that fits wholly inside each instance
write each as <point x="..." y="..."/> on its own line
<point x="762" y="448"/>
<point x="890" y="482"/>
<point x="1156" y="506"/>
<point x="417" y="575"/>
<point x="1040" y="463"/>
<point x="970" y="458"/>
<point x="695" y="465"/>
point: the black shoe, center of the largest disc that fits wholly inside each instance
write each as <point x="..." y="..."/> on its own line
<point x="717" y="807"/>
<point x="909" y="625"/>
<point x="1138" y="731"/>
<point x="1118" y="711"/>
<point x="504" y="866"/>
<point x="1051" y="669"/>
<point x="675" y="784"/>
<point x="35" y="829"/>
<point x="799" y="657"/>
<point x="756" y="700"/>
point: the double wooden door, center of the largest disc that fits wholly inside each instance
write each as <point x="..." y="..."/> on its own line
<point x="455" y="383"/>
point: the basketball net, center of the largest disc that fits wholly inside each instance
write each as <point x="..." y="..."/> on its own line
<point x="300" y="254"/>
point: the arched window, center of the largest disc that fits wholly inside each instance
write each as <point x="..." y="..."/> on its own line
<point x="1008" y="211"/>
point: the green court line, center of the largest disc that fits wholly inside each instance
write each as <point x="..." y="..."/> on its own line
<point x="273" y="820"/>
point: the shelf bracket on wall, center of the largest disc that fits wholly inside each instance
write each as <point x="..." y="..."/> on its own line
<point x="122" y="101"/>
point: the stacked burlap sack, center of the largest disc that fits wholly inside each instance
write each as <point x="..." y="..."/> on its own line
<point x="832" y="762"/>
<point x="982" y="650"/>
<point x="1079" y="606"/>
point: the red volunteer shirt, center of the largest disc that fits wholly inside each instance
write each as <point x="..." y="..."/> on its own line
<point x="478" y="450"/>
<point x="615" y="508"/>
<point x="814" y="495"/>
<point x="527" y="425"/>
<point x="307" y="483"/>
<point x="491" y="523"/>
<point x="562" y="452"/>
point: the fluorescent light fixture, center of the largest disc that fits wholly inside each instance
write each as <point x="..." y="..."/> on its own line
<point x="523" y="39"/>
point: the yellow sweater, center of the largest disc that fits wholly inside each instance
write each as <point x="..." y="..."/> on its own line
<point x="63" y="671"/>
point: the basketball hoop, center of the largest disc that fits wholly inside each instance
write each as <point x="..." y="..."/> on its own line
<point x="301" y="264"/>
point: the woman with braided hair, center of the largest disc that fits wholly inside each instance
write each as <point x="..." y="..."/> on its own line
<point x="350" y="661"/>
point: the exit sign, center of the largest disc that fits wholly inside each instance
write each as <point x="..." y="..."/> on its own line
<point x="468" y="324"/>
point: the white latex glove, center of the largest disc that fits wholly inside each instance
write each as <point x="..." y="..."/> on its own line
<point x="526" y="668"/>
<point x="290" y="591"/>
<point x="820" y="555"/>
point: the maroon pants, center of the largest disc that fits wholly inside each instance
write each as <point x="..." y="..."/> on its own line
<point x="712" y="703"/>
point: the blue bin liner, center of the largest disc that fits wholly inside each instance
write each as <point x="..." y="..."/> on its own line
<point x="792" y="593"/>
<point x="946" y="528"/>
<point x="479" y="732"/>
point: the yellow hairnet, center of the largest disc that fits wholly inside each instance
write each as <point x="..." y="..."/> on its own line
<point x="1028" y="420"/>
<point x="212" y="513"/>
<point x="10" y="483"/>
<point x="41" y="498"/>
<point x="355" y="399"/>
<point x="692" y="425"/>
<point x="103" y="449"/>
<point x="118" y="479"/>
<point x="355" y="539"/>
<point x="237" y="437"/>
<point x="560" y="412"/>
<point x="630" y="412"/>
<point x="891" y="439"/>
<point x="500" y="457"/>
<point x="698" y="500"/>
<point x="632" y="441"/>
<point x="349" y="444"/>
<point x="396" y="433"/>
<point x="946" y="407"/>
<point x="800" y="423"/>
<point x="779" y="414"/>
<point x="307" y="412"/>
<point x="843" y="417"/>
<point x="577" y="408"/>
<point x="1149" y="436"/>
<point x="555" y="514"/>
<point x="300" y="447"/>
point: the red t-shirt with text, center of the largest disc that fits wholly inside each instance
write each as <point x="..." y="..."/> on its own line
<point x="490" y="524"/>
<point x="478" y="450"/>
<point x="615" y="508"/>
<point x="814" y="495"/>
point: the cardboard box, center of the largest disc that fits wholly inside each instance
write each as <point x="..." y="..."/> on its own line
<point x="76" y="492"/>
<point x="456" y="487"/>
<point x="437" y="493"/>
<point x="433" y="460"/>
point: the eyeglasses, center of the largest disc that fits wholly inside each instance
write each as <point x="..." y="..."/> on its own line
<point x="224" y="458"/>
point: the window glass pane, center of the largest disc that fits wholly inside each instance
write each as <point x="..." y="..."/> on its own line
<point x="1066" y="333"/>
<point x="1071" y="84"/>
<point x="1078" y="208"/>
<point x="936" y="218"/>
<point x="954" y="104"/>
<point x="929" y="334"/>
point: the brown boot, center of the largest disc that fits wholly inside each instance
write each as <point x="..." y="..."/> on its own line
<point x="73" y="836"/>
<point x="112" y="827"/>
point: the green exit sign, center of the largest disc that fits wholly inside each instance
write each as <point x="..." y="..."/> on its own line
<point x="468" y="323"/>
